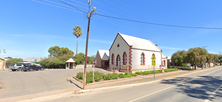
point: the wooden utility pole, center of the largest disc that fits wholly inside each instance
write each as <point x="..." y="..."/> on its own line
<point x="85" y="65"/>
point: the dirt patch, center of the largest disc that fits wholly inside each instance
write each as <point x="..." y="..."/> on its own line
<point x="1" y="84"/>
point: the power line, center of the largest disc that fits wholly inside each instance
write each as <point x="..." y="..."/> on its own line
<point x="142" y="21"/>
<point x="55" y="6"/>
<point x="155" y="23"/>
<point x="66" y="5"/>
<point x="73" y="6"/>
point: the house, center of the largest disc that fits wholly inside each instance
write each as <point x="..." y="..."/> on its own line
<point x="102" y="59"/>
<point x="2" y="63"/>
<point x="134" y="54"/>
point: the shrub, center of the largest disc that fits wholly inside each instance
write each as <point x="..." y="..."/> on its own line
<point x="170" y="70"/>
<point x="114" y="76"/>
<point x="98" y="76"/>
<point x="79" y="75"/>
<point x="128" y="76"/>
<point x="107" y="77"/>
<point x="139" y="73"/>
<point x="184" y="64"/>
<point x="134" y="75"/>
<point x="89" y="80"/>
<point x="146" y="72"/>
<point x="121" y="75"/>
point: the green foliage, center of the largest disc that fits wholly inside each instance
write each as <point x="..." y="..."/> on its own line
<point x="98" y="76"/>
<point x="56" y="51"/>
<point x="171" y="69"/>
<point x="114" y="76"/>
<point x="55" y="62"/>
<point x="79" y="75"/>
<point x="77" y="31"/>
<point x="179" y="57"/>
<point x="13" y="61"/>
<point x="139" y="73"/>
<point x="107" y="77"/>
<point x="146" y="72"/>
<point x="128" y="76"/>
<point x="121" y="75"/>
<point x="184" y="64"/>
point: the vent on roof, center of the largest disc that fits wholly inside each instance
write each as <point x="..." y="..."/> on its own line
<point x="156" y="45"/>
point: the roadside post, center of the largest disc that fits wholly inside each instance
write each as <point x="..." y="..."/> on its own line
<point x="93" y="73"/>
<point x="153" y="63"/>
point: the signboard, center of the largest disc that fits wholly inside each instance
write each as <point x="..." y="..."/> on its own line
<point x="153" y="60"/>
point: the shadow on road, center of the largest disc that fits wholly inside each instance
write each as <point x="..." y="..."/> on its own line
<point x="74" y="84"/>
<point x="200" y="87"/>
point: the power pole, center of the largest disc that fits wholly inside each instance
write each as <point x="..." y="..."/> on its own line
<point x="85" y="65"/>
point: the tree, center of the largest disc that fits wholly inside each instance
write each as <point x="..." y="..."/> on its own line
<point x="92" y="58"/>
<point x="210" y="58"/>
<point x="220" y="59"/>
<point x="77" y="31"/>
<point x="179" y="57"/>
<point x="197" y="55"/>
<point x="13" y="61"/>
<point x="64" y="51"/>
<point x="53" y="51"/>
<point x="56" y="51"/>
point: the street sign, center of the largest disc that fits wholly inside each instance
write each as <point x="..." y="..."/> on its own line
<point x="153" y="60"/>
<point x="153" y="63"/>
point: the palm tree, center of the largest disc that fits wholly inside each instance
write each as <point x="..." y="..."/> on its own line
<point x="77" y="31"/>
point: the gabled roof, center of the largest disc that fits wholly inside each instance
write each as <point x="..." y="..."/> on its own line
<point x="139" y="43"/>
<point x="102" y="52"/>
<point x="70" y="60"/>
<point x="105" y="57"/>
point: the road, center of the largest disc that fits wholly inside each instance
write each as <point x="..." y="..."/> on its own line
<point x="193" y="87"/>
<point x="26" y="83"/>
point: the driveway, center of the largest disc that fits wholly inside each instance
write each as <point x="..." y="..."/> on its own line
<point x="25" y="83"/>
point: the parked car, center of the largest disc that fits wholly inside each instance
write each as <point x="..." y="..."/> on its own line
<point x="16" y="67"/>
<point x="32" y="68"/>
<point x="199" y="65"/>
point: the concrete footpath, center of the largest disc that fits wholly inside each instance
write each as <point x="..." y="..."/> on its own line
<point x="99" y="86"/>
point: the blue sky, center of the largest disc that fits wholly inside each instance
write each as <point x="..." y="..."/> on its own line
<point x="29" y="27"/>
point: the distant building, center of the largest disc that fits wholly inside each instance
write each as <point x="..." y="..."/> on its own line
<point x="102" y="59"/>
<point x="2" y="63"/>
<point x="33" y="59"/>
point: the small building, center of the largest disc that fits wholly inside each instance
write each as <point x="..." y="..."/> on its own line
<point x="70" y="64"/>
<point x="134" y="54"/>
<point x="102" y="59"/>
<point x="2" y="63"/>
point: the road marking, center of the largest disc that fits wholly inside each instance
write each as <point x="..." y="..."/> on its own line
<point x="151" y="94"/>
<point x="212" y="95"/>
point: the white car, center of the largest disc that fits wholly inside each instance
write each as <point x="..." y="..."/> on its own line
<point x="16" y="67"/>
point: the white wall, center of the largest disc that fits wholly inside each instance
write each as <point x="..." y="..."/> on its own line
<point x="136" y="58"/>
<point x="120" y="50"/>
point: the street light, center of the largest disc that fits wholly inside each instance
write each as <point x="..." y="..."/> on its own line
<point x="85" y="65"/>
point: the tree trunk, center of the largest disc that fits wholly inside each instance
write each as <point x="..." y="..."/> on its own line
<point x="77" y="46"/>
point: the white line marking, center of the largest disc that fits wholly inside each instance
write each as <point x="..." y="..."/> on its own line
<point x="151" y="94"/>
<point x="212" y="95"/>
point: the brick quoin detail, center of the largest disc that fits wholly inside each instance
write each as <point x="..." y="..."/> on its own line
<point x="143" y="59"/>
<point x="130" y="59"/>
<point x="124" y="58"/>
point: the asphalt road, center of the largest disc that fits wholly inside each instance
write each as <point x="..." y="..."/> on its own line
<point x="194" y="87"/>
<point x="26" y="83"/>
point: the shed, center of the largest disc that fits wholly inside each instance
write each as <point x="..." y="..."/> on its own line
<point x="70" y="64"/>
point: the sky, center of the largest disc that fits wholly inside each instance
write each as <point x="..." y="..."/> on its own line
<point x="28" y="28"/>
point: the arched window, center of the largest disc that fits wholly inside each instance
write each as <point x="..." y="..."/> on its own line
<point x="142" y="59"/>
<point x="117" y="45"/>
<point x="112" y="59"/>
<point x="118" y="60"/>
<point x="124" y="58"/>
